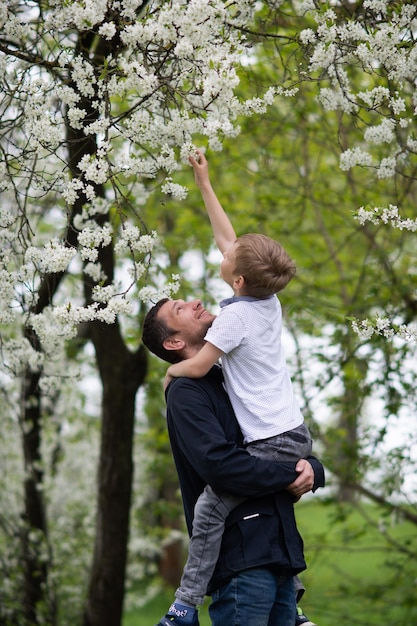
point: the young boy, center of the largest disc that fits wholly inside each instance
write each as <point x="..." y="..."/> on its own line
<point x="246" y="335"/>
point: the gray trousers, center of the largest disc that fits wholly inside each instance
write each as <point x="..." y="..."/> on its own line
<point x="212" y="509"/>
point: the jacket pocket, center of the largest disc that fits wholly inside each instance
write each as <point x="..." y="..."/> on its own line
<point x="252" y="538"/>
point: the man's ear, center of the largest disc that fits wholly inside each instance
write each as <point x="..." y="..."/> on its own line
<point x="173" y="343"/>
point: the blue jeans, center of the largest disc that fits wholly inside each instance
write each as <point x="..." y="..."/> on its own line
<point x="255" y="597"/>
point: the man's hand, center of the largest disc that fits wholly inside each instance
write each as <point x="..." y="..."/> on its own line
<point x="305" y="480"/>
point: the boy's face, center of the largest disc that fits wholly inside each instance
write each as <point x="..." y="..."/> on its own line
<point x="228" y="265"/>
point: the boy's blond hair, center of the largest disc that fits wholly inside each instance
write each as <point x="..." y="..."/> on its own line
<point x="264" y="264"/>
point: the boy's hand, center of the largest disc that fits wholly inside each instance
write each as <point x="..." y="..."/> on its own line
<point x="167" y="380"/>
<point x="200" y="167"/>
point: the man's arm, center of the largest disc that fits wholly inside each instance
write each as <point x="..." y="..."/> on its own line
<point x="223" y="230"/>
<point x="210" y="444"/>
<point x="310" y="477"/>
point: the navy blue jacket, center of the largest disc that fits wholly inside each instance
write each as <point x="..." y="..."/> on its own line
<point x="207" y="447"/>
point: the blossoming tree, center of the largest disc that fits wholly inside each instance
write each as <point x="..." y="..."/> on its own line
<point x="100" y="103"/>
<point x="363" y="57"/>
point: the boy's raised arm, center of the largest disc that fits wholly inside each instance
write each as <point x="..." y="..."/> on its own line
<point x="223" y="230"/>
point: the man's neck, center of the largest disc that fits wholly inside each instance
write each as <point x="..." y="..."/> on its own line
<point x="190" y="351"/>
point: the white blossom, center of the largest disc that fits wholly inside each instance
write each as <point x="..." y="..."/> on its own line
<point x="379" y="6"/>
<point x="357" y="156"/>
<point x="19" y="355"/>
<point x="387" y="167"/>
<point x="95" y="237"/>
<point x="381" y="133"/>
<point x="92" y="269"/>
<point x="174" y="189"/>
<point x="76" y="117"/>
<point x="71" y="190"/>
<point x="53" y="257"/>
<point x="375" y="97"/>
<point x="90" y="255"/>
<point x="333" y="99"/>
<point x="6" y="217"/>
<point x="103" y="294"/>
<point x="150" y="294"/>
<point x="132" y="238"/>
<point x="307" y="36"/>
<point x="305" y="5"/>
<point x="383" y="326"/>
<point x="397" y="104"/>
<point x="137" y="270"/>
<point x="83" y="75"/>
<point x="95" y="169"/>
<point x="389" y="216"/>
<point x="107" y="30"/>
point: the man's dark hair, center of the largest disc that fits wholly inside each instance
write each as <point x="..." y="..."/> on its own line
<point x="155" y="332"/>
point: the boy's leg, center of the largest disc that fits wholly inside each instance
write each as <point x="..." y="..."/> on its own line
<point x="210" y="514"/>
<point x="299" y="589"/>
<point x="289" y="446"/>
<point x="256" y="597"/>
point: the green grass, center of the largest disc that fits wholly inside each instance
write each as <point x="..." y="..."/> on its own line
<point x="355" y="576"/>
<point x="354" y="571"/>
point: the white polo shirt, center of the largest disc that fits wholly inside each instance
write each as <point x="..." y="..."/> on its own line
<point x="248" y="332"/>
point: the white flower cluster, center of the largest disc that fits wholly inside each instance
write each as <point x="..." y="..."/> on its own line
<point x="356" y="156"/>
<point x="53" y="257"/>
<point x="90" y="239"/>
<point x="385" y="52"/>
<point x="385" y="215"/>
<point x="173" y="77"/>
<point x="107" y="30"/>
<point x="381" y="133"/>
<point x="151" y="294"/>
<point x="40" y="123"/>
<point x="178" y="192"/>
<point x="95" y="169"/>
<point x="384" y="327"/>
<point x="131" y="238"/>
<point x="18" y="354"/>
<point x="67" y="318"/>
<point x="55" y="325"/>
<point x="7" y="296"/>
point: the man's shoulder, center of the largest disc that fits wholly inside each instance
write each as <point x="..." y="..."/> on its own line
<point x="213" y="377"/>
<point x="210" y="384"/>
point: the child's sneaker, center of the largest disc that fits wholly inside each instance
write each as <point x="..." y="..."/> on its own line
<point x="302" y="620"/>
<point x="180" y="615"/>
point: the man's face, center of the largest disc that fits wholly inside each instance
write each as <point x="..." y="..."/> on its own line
<point x="189" y="319"/>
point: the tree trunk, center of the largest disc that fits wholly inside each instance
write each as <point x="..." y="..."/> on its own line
<point x="34" y="537"/>
<point x="121" y="373"/>
<point x="345" y="449"/>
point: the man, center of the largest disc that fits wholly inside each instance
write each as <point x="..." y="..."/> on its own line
<point x="261" y="546"/>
